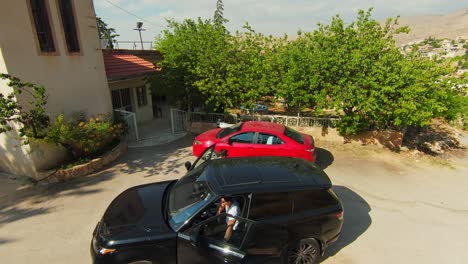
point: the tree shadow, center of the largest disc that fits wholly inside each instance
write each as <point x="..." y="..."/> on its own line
<point x="356" y="219"/>
<point x="5" y="240"/>
<point x="432" y="140"/>
<point x="163" y="159"/>
<point x="22" y="199"/>
<point x="324" y="158"/>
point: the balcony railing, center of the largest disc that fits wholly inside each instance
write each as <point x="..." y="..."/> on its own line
<point x="129" y="44"/>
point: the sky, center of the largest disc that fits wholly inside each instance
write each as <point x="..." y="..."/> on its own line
<point x="274" y="17"/>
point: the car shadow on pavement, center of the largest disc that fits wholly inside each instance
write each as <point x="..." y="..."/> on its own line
<point x="324" y="158"/>
<point x="356" y="219"/>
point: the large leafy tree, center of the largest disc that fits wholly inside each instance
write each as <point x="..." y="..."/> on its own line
<point x="197" y="55"/>
<point x="194" y="56"/>
<point x="353" y="68"/>
<point x="295" y="69"/>
<point x="203" y="60"/>
<point x="357" y="69"/>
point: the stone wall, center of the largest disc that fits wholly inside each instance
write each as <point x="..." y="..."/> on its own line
<point x="200" y="127"/>
<point x="85" y="169"/>
<point x="28" y="160"/>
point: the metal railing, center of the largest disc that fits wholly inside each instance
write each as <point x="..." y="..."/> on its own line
<point x="133" y="45"/>
<point x="179" y="121"/>
<point x="294" y="120"/>
<point x="130" y="119"/>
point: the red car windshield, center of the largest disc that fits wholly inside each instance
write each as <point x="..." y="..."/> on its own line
<point x="228" y="130"/>
<point x="293" y="134"/>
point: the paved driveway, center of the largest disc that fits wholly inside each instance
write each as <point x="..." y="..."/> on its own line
<point x="397" y="209"/>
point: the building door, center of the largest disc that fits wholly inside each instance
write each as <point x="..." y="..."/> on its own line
<point x="121" y="99"/>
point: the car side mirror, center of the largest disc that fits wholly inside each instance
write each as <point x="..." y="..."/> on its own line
<point x="188" y="165"/>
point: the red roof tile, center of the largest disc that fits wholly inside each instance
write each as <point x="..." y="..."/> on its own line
<point x="125" y="65"/>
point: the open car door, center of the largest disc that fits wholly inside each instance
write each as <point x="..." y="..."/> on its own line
<point x="207" y="155"/>
<point x="204" y="242"/>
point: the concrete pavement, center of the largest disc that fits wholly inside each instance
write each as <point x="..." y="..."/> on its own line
<point x="398" y="208"/>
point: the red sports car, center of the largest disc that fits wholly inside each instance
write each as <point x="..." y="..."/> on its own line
<point x="256" y="139"/>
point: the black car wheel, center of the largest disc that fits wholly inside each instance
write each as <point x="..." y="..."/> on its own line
<point x="305" y="251"/>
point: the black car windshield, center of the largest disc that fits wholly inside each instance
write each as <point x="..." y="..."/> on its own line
<point x="189" y="194"/>
<point x="296" y="136"/>
<point x="228" y="130"/>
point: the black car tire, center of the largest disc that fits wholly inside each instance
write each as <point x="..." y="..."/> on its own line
<point x="305" y="251"/>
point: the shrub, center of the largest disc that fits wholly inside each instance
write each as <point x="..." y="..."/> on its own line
<point x="25" y="105"/>
<point x="85" y="138"/>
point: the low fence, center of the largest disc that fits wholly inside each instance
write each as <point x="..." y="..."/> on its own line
<point x="284" y="120"/>
<point x="182" y="120"/>
<point x="295" y="121"/>
<point x="130" y="119"/>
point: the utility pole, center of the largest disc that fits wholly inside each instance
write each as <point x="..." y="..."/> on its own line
<point x="139" y="28"/>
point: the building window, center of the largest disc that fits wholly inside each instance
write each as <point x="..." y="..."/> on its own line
<point x="69" y="25"/>
<point x="121" y="100"/>
<point x="141" y="95"/>
<point x="40" y="16"/>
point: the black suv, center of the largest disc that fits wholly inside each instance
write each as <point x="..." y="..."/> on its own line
<point x="288" y="214"/>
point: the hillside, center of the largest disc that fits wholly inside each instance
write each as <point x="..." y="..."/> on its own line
<point x="449" y="26"/>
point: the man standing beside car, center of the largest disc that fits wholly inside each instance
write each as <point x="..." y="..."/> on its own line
<point x="232" y="209"/>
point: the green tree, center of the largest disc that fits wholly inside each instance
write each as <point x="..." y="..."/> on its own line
<point x="363" y="74"/>
<point x="25" y="106"/>
<point x="185" y="47"/>
<point x="106" y="32"/>
<point x="296" y="65"/>
<point x="203" y="60"/>
<point x="196" y="59"/>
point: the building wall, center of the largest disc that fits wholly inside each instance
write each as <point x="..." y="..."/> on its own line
<point x="143" y="113"/>
<point x="73" y="82"/>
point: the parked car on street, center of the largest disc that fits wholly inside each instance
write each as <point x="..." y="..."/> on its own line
<point x="287" y="213"/>
<point x="255" y="138"/>
<point x="255" y="109"/>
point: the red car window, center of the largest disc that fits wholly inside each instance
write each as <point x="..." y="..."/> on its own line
<point x="229" y="130"/>
<point x="294" y="135"/>
<point x="267" y="139"/>
<point x="246" y="138"/>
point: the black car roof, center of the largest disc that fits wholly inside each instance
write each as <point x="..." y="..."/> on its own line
<point x="264" y="174"/>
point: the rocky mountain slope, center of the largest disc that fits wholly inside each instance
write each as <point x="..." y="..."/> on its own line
<point x="449" y="26"/>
